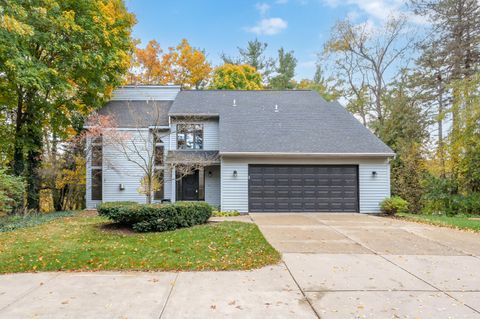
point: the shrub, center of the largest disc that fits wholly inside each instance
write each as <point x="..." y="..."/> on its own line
<point x="442" y="197"/>
<point x="394" y="205"/>
<point x="12" y="189"/>
<point x="156" y="217"/>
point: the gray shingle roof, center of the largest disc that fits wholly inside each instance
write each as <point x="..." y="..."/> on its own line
<point x="136" y="114"/>
<point x="303" y="123"/>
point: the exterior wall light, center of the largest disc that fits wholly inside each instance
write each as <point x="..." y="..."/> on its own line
<point x="209" y="173"/>
<point x="374" y="173"/>
<point x="121" y="187"/>
<point x="235" y="173"/>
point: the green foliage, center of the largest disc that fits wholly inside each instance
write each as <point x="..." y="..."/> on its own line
<point x="156" y="217"/>
<point x="442" y="197"/>
<point x="394" y="205"/>
<point x="231" y="213"/>
<point x="14" y="222"/>
<point x="253" y="55"/>
<point x="326" y="87"/>
<point x="404" y="129"/>
<point x="12" y="189"/>
<point x="59" y="59"/>
<point x="236" y="77"/>
<point x="285" y="71"/>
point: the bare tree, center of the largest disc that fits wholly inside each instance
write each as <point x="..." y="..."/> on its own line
<point x="143" y="146"/>
<point x="364" y="56"/>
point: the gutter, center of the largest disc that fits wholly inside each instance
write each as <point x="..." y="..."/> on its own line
<point x="307" y="154"/>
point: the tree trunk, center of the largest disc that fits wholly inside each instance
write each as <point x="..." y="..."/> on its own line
<point x="18" y="159"/>
<point x="33" y="179"/>
<point x="441" y="146"/>
<point x="149" y="189"/>
<point x="34" y="156"/>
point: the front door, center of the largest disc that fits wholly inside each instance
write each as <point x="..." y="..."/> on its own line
<point x="190" y="187"/>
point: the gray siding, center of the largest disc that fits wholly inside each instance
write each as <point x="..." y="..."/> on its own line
<point x="210" y="134"/>
<point x="118" y="170"/>
<point x="234" y="190"/>
<point x="372" y="190"/>
<point x="143" y="93"/>
<point x="212" y="185"/>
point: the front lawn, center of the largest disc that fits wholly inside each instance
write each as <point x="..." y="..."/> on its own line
<point x="13" y="222"/>
<point x="90" y="244"/>
<point x="467" y="222"/>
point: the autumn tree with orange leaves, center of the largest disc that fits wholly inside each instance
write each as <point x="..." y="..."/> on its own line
<point x="183" y="65"/>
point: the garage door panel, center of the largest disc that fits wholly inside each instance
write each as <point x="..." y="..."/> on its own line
<point x="310" y="188"/>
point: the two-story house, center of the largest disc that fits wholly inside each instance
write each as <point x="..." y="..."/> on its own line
<point x="252" y="151"/>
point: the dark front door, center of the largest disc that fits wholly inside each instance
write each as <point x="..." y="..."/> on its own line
<point x="190" y="187"/>
<point x="303" y="188"/>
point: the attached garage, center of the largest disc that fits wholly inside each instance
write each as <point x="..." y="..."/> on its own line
<point x="303" y="188"/>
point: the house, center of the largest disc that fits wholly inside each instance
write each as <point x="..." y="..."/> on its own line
<point x="253" y="151"/>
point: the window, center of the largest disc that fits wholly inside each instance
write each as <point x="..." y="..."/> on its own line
<point x="97" y="155"/>
<point x="158" y="193"/>
<point x="158" y="155"/>
<point x="96" y="171"/>
<point x="97" y="184"/>
<point x="189" y="136"/>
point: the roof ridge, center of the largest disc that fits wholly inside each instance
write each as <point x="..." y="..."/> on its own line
<point x="264" y="90"/>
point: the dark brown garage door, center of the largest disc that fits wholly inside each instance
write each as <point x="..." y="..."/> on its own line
<point x="298" y="188"/>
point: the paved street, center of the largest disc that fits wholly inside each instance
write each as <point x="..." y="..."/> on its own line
<point x="335" y="266"/>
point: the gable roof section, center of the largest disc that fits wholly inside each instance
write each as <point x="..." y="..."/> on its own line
<point x="137" y="114"/>
<point x="303" y="123"/>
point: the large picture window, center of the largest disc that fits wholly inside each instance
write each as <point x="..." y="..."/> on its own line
<point x="159" y="154"/>
<point x="96" y="171"/>
<point x="189" y="136"/>
<point x="158" y="194"/>
<point x="97" y="184"/>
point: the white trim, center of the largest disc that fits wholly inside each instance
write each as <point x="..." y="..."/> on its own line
<point x="159" y="127"/>
<point x="309" y="154"/>
<point x="194" y="114"/>
<point x="125" y="128"/>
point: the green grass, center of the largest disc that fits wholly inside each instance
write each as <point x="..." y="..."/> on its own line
<point x="217" y="213"/>
<point x="82" y="243"/>
<point x="459" y="221"/>
<point x="10" y="223"/>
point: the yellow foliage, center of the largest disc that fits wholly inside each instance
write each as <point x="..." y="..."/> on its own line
<point x="182" y="65"/>
<point x="237" y="77"/>
<point x="13" y="25"/>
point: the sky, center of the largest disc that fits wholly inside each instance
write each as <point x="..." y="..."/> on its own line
<point x="217" y="26"/>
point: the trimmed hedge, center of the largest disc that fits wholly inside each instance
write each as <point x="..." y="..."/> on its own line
<point x="394" y="205"/>
<point x="156" y="217"/>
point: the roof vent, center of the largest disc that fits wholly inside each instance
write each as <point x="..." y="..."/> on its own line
<point x="276" y="108"/>
<point x="234" y="102"/>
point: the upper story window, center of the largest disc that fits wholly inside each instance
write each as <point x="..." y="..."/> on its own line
<point x="189" y="136"/>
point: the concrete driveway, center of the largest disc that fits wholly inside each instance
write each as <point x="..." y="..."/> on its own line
<point x="334" y="266"/>
<point x="361" y="266"/>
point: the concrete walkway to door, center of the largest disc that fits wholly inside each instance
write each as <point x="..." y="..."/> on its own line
<point x="363" y="266"/>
